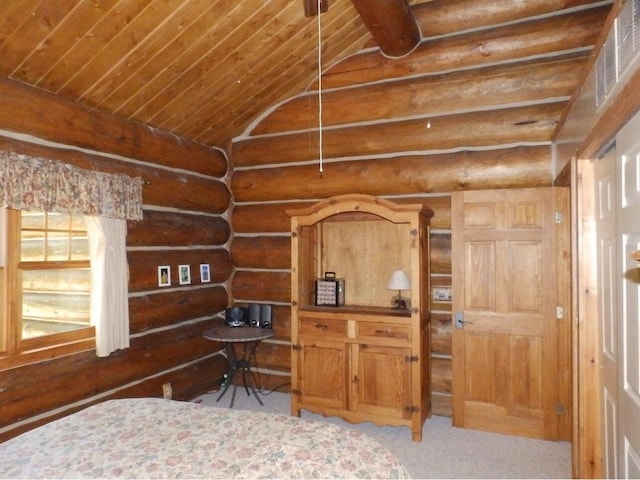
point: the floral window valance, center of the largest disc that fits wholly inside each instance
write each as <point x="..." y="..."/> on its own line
<point x="37" y="184"/>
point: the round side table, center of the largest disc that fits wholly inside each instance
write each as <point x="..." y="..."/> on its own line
<point x="240" y="346"/>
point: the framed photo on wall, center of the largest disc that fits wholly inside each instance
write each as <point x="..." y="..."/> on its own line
<point x="164" y="276"/>
<point x="204" y="273"/>
<point x="184" y="272"/>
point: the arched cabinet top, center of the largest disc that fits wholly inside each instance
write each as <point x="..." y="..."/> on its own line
<point x="360" y="203"/>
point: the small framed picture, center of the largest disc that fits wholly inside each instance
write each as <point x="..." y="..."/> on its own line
<point x="164" y="276"/>
<point x="204" y="273"/>
<point x="185" y="274"/>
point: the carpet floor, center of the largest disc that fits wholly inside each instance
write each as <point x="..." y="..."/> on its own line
<point x="445" y="451"/>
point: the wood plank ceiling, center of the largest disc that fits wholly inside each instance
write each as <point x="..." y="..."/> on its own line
<point x="202" y="69"/>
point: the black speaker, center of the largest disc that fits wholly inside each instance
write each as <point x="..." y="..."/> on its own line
<point x="254" y="315"/>
<point x="266" y="320"/>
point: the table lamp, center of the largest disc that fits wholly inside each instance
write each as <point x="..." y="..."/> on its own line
<point x="399" y="280"/>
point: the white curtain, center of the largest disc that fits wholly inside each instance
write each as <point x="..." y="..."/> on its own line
<point x="109" y="283"/>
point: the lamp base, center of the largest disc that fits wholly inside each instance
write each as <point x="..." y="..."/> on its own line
<point x="401" y="303"/>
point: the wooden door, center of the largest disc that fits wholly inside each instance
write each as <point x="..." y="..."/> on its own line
<point x="505" y="342"/>
<point x="382" y="381"/>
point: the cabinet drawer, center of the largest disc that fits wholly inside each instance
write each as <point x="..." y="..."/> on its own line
<point x="383" y="330"/>
<point x="325" y="326"/>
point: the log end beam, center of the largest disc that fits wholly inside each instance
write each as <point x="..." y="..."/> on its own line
<point x="392" y="25"/>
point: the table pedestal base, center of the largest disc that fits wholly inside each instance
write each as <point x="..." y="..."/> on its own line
<point x="240" y="363"/>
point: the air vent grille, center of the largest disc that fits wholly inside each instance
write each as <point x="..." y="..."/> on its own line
<point x="620" y="53"/>
<point x="606" y="69"/>
<point x="628" y="34"/>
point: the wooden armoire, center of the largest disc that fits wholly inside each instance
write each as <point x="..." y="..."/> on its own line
<point x="363" y="360"/>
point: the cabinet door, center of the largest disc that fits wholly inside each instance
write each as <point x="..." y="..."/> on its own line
<point x="324" y="373"/>
<point x="382" y="381"/>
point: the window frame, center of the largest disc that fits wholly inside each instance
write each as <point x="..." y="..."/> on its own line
<point x="14" y="350"/>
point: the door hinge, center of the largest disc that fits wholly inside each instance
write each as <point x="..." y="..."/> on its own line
<point x="412" y="358"/>
<point x="559" y="217"/>
<point x="559" y="312"/>
<point x="356" y="380"/>
<point x="560" y="409"/>
<point x="411" y="409"/>
<point x="296" y="347"/>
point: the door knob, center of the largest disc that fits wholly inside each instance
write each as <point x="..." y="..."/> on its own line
<point x="460" y="321"/>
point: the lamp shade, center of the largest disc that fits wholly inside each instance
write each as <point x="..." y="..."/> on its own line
<point x="399" y="281"/>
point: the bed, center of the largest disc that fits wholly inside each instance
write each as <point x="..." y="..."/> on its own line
<point x="157" y="438"/>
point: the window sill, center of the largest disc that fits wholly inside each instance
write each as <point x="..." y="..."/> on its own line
<point x="37" y="355"/>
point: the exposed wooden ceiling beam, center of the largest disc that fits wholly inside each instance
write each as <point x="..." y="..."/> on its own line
<point x="311" y="7"/>
<point x="391" y="23"/>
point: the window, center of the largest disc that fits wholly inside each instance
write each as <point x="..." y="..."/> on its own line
<point x="47" y="281"/>
<point x="49" y="286"/>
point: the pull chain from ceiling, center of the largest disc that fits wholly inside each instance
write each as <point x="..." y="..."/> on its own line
<point x="320" y="88"/>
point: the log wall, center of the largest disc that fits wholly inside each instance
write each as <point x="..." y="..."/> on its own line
<point x="466" y="110"/>
<point x="186" y="200"/>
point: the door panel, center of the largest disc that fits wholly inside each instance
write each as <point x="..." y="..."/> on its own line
<point x="481" y="258"/>
<point x="505" y="356"/>
<point x="628" y="311"/>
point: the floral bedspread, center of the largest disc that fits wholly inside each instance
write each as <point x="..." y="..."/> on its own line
<point x="156" y="438"/>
